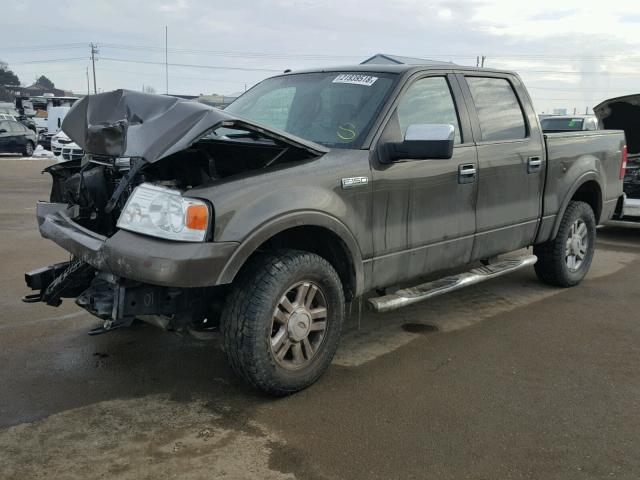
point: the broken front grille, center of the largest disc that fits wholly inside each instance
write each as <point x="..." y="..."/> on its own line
<point x="72" y="153"/>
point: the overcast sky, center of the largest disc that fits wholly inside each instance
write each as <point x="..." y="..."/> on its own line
<point x="570" y="54"/>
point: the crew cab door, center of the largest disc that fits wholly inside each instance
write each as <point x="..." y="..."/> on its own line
<point x="511" y="163"/>
<point x="423" y="212"/>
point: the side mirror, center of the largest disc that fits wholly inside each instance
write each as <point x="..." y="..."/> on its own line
<point x="2" y="130"/>
<point x="423" y="141"/>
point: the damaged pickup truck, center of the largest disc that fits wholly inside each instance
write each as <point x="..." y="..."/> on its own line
<point x="309" y="191"/>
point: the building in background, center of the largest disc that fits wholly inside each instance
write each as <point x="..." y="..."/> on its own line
<point x="385" y="59"/>
<point x="218" y="101"/>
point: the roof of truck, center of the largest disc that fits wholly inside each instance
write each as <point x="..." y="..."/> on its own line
<point x="396" y="68"/>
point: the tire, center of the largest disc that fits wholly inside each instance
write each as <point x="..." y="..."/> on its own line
<point x="28" y="149"/>
<point x="555" y="264"/>
<point x="261" y="315"/>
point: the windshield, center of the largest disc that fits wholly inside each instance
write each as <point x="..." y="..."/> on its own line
<point x="334" y="109"/>
<point x="562" y="124"/>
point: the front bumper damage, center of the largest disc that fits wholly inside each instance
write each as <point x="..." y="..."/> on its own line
<point x="133" y="256"/>
<point x="127" y="275"/>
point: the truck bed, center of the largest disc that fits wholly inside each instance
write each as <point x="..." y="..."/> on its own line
<point x="572" y="155"/>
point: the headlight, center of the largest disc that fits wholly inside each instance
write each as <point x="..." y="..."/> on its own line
<point x="165" y="213"/>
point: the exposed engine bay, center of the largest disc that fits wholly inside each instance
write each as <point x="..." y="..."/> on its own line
<point x="100" y="186"/>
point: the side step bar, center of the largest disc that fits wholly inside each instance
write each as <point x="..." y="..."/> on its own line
<point x="409" y="296"/>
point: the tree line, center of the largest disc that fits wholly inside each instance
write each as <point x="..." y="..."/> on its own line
<point x="8" y="78"/>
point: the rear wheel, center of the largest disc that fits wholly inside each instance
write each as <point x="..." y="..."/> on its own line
<point x="282" y="320"/>
<point x="28" y="149"/>
<point x="565" y="260"/>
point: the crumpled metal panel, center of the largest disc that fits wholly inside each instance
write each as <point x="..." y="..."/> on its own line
<point x="125" y="123"/>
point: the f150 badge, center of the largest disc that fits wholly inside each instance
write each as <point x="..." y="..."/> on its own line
<point x="351" y="182"/>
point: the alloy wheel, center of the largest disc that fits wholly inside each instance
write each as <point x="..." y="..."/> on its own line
<point x="577" y="245"/>
<point x="299" y="325"/>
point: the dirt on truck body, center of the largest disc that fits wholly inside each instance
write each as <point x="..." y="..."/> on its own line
<point x="310" y="190"/>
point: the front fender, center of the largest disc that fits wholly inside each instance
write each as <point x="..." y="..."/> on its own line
<point x="284" y="222"/>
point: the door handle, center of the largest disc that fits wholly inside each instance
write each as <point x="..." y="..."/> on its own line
<point x="467" y="173"/>
<point x="534" y="164"/>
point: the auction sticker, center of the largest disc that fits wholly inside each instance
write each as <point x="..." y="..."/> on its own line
<point x="355" y="79"/>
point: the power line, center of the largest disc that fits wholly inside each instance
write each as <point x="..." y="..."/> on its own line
<point x="190" y="65"/>
<point x="151" y="74"/>
<point x="575" y="89"/>
<point x="43" y="48"/>
<point x="227" y="53"/>
<point x="51" y="60"/>
<point x="329" y="56"/>
<point x="580" y="72"/>
<point x="526" y="56"/>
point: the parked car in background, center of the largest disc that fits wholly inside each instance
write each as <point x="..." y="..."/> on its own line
<point x="16" y="138"/>
<point x="568" y="123"/>
<point x="310" y="190"/>
<point x="7" y="108"/>
<point x="55" y="116"/>
<point x="6" y="116"/>
<point x="44" y="140"/>
<point x="623" y="113"/>
<point x="29" y="123"/>
<point x="64" y="148"/>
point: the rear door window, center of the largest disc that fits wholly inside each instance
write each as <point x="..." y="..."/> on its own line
<point x="550" y="124"/>
<point x="498" y="109"/>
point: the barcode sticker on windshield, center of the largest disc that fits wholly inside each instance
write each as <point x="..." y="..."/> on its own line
<point x="355" y="79"/>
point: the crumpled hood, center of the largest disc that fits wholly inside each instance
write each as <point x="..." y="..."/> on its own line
<point x="125" y="123"/>
<point x="622" y="113"/>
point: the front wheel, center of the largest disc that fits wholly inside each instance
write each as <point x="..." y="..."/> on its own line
<point x="28" y="149"/>
<point x="282" y="320"/>
<point x="565" y="260"/>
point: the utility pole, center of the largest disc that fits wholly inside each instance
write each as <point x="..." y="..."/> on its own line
<point x="94" y="52"/>
<point x="166" y="57"/>
<point x="88" y="91"/>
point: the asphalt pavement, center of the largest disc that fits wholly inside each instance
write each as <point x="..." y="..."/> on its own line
<point x="509" y="379"/>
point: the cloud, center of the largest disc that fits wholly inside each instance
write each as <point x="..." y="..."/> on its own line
<point x="175" y="6"/>
<point x="553" y="15"/>
<point x="545" y="41"/>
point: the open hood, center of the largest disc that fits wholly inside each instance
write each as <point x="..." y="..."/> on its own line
<point x="622" y="113"/>
<point x="125" y="123"/>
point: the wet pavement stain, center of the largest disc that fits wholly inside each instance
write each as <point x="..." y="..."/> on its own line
<point x="423" y="328"/>
<point x="148" y="437"/>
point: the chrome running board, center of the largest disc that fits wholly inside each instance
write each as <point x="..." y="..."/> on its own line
<point x="409" y="296"/>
